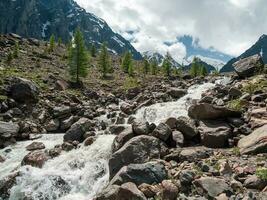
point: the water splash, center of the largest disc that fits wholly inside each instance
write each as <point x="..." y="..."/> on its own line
<point x="159" y="112"/>
<point x="78" y="174"/>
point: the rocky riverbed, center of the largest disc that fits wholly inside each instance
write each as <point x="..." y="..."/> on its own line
<point x="202" y="138"/>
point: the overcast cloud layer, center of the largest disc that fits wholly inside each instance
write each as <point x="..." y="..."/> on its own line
<point x="229" y="26"/>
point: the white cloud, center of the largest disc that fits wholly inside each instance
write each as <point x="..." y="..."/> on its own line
<point x="230" y="26"/>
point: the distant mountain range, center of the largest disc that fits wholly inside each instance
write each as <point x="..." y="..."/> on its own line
<point x="42" y="18"/>
<point x="260" y="48"/>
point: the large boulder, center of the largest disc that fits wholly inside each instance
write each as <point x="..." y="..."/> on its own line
<point x="23" y="90"/>
<point x="211" y="187"/>
<point x="149" y="173"/>
<point x="248" y="66"/>
<point x="127" y="191"/>
<point x="254" y="143"/>
<point x="35" y="146"/>
<point x="205" y="111"/>
<point x="214" y="134"/>
<point x="187" y="127"/>
<point x="122" y="138"/>
<point x="162" y="131"/>
<point x="8" y="129"/>
<point x="139" y="149"/>
<point x="61" y="111"/>
<point x="140" y="127"/>
<point x="78" y="129"/>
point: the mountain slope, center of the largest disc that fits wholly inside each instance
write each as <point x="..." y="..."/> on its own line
<point x="217" y="64"/>
<point x="260" y="47"/>
<point x="41" y="18"/>
<point x="209" y="67"/>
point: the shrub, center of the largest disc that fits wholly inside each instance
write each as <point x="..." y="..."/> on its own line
<point x="262" y="173"/>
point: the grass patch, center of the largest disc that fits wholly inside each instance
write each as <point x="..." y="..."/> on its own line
<point x="3" y="98"/>
<point x="262" y="173"/>
<point x="236" y="151"/>
<point x="253" y="86"/>
<point x="237" y="104"/>
<point x="130" y="83"/>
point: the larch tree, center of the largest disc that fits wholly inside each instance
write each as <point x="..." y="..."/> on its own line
<point x="154" y="67"/>
<point x="51" y="43"/>
<point x="194" y="70"/>
<point x="145" y="66"/>
<point x="126" y="61"/>
<point x="104" y="61"/>
<point x="78" y="58"/>
<point x="167" y="66"/>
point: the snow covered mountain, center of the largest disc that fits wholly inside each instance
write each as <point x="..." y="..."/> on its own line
<point x="42" y="18"/>
<point x="217" y="64"/>
<point x="159" y="58"/>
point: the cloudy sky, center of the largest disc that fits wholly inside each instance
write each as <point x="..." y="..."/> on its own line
<point x="229" y="26"/>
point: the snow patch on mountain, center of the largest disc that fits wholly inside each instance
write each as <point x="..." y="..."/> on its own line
<point x="218" y="64"/>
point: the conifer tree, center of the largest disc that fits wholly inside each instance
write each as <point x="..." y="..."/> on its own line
<point x="203" y="71"/>
<point x="167" y="66"/>
<point x="78" y="58"/>
<point x="16" y="50"/>
<point x="145" y="66"/>
<point x="131" y="70"/>
<point x="127" y="61"/>
<point x="194" y="70"/>
<point x="9" y="58"/>
<point x="153" y="67"/>
<point x="93" y="50"/>
<point x="59" y="41"/>
<point x="52" y="43"/>
<point x="104" y="61"/>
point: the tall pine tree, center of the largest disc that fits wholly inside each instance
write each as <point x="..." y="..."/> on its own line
<point x="104" y="61"/>
<point x="145" y="66"/>
<point x="78" y="58"/>
<point x="154" y="67"/>
<point x="167" y="66"/>
<point x="126" y="61"/>
<point x="51" y="43"/>
<point x="93" y="50"/>
<point x="194" y="70"/>
<point x="203" y="71"/>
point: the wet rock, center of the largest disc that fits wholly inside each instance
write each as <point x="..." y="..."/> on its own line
<point x="78" y="129"/>
<point x="169" y="190"/>
<point x="187" y="127"/>
<point x="66" y="146"/>
<point x="178" y="138"/>
<point x="122" y="138"/>
<point x="140" y="128"/>
<point x="253" y="182"/>
<point x="204" y="111"/>
<point x="248" y="66"/>
<point x="139" y="149"/>
<point x="35" y="146"/>
<point x="126" y="108"/>
<point x="89" y="141"/>
<point x="254" y="143"/>
<point x="186" y="178"/>
<point x="54" y="152"/>
<point x="117" y="129"/>
<point x="162" y="132"/>
<point x="52" y="125"/>
<point x="171" y="122"/>
<point x="211" y="186"/>
<point x="23" y="90"/>
<point x="35" y="159"/>
<point x="6" y="184"/>
<point x="176" y="93"/>
<point x="8" y="129"/>
<point x="149" y="173"/>
<point x="2" y="159"/>
<point x="214" y="134"/>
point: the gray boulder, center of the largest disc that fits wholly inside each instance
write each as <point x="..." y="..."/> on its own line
<point x="139" y="149"/>
<point x="187" y="127"/>
<point x="254" y="143"/>
<point x="248" y="66"/>
<point x="78" y="129"/>
<point x="8" y="129"/>
<point x="35" y="146"/>
<point x="214" y="134"/>
<point x="162" y="131"/>
<point x="122" y="138"/>
<point x="176" y="93"/>
<point x="140" y="128"/>
<point x="205" y="111"/>
<point x="23" y="90"/>
<point x="149" y="173"/>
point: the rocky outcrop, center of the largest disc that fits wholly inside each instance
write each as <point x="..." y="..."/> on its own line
<point x="254" y="143"/>
<point x="139" y="149"/>
<point x="149" y="173"/>
<point x="23" y="90"/>
<point x="35" y="146"/>
<point x="205" y="111"/>
<point x="35" y="159"/>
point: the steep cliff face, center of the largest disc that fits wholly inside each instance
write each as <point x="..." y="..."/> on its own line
<point x="41" y="18"/>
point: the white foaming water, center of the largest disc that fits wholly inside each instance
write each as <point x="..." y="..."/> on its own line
<point x="78" y="174"/>
<point x="156" y="113"/>
<point x="15" y="153"/>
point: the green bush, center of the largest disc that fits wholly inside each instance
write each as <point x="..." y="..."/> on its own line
<point x="237" y="104"/>
<point x="262" y="173"/>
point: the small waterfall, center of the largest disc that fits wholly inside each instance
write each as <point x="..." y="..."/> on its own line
<point x="78" y="174"/>
<point x="156" y="113"/>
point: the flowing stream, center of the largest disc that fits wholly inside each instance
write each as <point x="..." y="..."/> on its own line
<point x="83" y="172"/>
